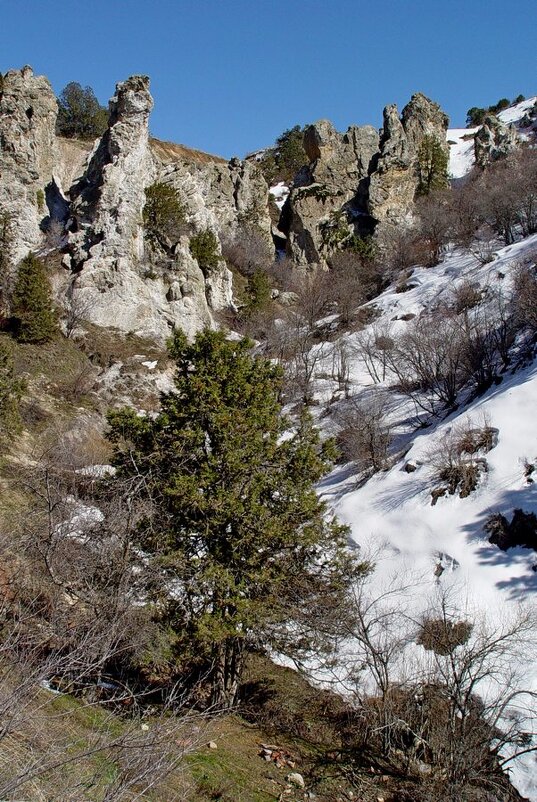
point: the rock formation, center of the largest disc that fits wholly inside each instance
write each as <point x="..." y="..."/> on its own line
<point x="28" y="111"/>
<point x="395" y="179"/>
<point x="355" y="181"/>
<point x="330" y="195"/>
<point x="117" y="282"/>
<point x="494" y="140"/>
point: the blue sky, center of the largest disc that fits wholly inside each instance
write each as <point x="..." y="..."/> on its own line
<point x="228" y="76"/>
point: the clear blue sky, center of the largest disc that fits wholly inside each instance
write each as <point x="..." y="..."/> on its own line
<point x="228" y="76"/>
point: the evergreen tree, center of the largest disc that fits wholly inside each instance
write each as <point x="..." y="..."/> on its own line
<point x="163" y="215"/>
<point x="79" y="113"/>
<point x="204" y="248"/>
<point x="235" y="522"/>
<point x="432" y="165"/>
<point x="31" y="305"/>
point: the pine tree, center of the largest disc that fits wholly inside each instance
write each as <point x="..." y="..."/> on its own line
<point x="32" y="311"/>
<point x="235" y="519"/>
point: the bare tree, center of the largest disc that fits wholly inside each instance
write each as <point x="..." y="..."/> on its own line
<point x="365" y="435"/>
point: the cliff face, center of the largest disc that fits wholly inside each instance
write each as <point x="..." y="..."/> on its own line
<point x="28" y="111"/>
<point x="99" y="193"/>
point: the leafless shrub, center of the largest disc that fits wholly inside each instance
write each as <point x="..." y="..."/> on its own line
<point x="247" y="250"/>
<point x="365" y="436"/>
<point x="457" y="457"/>
<point x="525" y="296"/>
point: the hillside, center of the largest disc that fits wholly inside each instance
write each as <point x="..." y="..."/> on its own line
<point x="168" y="555"/>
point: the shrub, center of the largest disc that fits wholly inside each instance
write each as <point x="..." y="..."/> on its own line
<point x="204" y="249"/>
<point x="283" y="161"/>
<point x="33" y="315"/>
<point x="442" y="636"/>
<point x="163" y="215"/>
<point x="79" y="113"/>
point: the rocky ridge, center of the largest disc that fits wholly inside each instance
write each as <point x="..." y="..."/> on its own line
<point x="356" y="183"/>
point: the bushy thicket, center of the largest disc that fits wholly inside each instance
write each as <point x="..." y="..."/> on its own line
<point x="164" y="215"/>
<point x="283" y="161"/>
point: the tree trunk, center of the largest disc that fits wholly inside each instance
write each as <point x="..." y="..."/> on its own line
<point x="226" y="670"/>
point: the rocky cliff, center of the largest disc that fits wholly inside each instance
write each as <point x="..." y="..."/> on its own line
<point x="98" y="193"/>
<point x="28" y="111"/>
<point x="358" y="181"/>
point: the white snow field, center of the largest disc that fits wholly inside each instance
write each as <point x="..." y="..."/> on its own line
<point x="391" y="514"/>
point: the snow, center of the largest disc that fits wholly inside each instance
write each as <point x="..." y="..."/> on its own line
<point x="280" y="193"/>
<point x="461" y="152"/>
<point x="391" y="514"/>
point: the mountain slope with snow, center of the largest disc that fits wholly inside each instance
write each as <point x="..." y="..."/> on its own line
<point x="461" y="140"/>
<point x="392" y="514"/>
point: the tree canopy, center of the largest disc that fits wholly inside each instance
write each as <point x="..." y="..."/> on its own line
<point x="80" y="115"/>
<point x="250" y="554"/>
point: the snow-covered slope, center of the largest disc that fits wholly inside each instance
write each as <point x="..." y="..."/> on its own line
<point x="392" y="513"/>
<point x="461" y="140"/>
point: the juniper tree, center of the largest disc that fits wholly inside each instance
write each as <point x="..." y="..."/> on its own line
<point x="31" y="304"/>
<point x="432" y="165"/>
<point x="249" y="553"/>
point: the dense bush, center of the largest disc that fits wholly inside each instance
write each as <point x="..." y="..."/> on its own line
<point x="283" y="161"/>
<point x="432" y="165"/>
<point x="80" y="116"/>
<point x="163" y="215"/>
<point x="204" y="249"/>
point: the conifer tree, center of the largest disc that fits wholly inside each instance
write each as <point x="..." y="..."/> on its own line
<point x="247" y="546"/>
<point x="432" y="165"/>
<point x="32" y="311"/>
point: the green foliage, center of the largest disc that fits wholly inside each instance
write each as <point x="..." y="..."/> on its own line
<point x="258" y="293"/>
<point x="6" y="239"/>
<point x="335" y="231"/>
<point x="33" y="315"/>
<point x="283" y="161"/>
<point x="365" y="247"/>
<point x="163" y="215"/>
<point x="204" y="249"/>
<point x="80" y="116"/>
<point x="476" y="115"/>
<point x="40" y="199"/>
<point x="432" y="165"/>
<point x="11" y="390"/>
<point x="235" y="520"/>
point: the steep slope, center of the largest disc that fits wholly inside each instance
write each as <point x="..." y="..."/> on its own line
<point x="461" y="140"/>
<point x="394" y="516"/>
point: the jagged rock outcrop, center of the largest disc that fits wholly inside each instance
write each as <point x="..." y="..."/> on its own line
<point x="395" y="179"/>
<point x="28" y="111"/>
<point x="494" y="140"/>
<point x="219" y="195"/>
<point x="107" y="203"/>
<point x="118" y="282"/>
<point x="356" y="181"/>
<point x="330" y="195"/>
